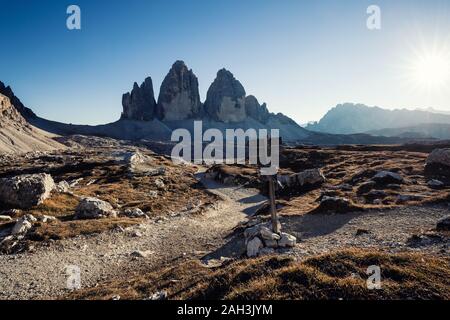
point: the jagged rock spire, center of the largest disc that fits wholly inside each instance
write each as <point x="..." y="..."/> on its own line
<point x="140" y="104"/>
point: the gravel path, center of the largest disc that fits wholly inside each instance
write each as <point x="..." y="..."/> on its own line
<point x="389" y="229"/>
<point x="42" y="273"/>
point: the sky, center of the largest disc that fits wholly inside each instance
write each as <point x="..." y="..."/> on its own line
<point x="300" y="57"/>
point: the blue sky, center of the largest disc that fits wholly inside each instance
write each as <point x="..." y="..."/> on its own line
<point x="301" y="57"/>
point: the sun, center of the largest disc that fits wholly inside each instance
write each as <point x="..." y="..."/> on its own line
<point x="431" y="70"/>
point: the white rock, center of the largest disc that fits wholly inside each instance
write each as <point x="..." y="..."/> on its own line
<point x="93" y="208"/>
<point x="253" y="247"/>
<point x="159" y="184"/>
<point x="21" y="227"/>
<point x="287" y="240"/>
<point x="307" y="177"/>
<point x="26" y="191"/>
<point x="134" y="213"/>
<point x="153" y="194"/>
<point x="142" y="254"/>
<point x="5" y="218"/>
<point x="268" y="234"/>
<point x="62" y="187"/>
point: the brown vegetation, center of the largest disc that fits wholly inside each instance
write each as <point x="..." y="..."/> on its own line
<point x="338" y="275"/>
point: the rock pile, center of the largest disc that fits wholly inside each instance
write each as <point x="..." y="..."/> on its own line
<point x="261" y="240"/>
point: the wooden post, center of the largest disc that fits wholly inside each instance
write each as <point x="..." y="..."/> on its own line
<point x="273" y="206"/>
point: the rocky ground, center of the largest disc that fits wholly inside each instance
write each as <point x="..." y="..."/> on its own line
<point x="124" y="214"/>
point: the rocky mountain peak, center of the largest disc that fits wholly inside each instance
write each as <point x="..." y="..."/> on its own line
<point x="255" y="110"/>
<point x="8" y="92"/>
<point x="140" y="104"/>
<point x="179" y="98"/>
<point x="225" y="100"/>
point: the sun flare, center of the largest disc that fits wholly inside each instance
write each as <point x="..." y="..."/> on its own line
<point x="431" y="70"/>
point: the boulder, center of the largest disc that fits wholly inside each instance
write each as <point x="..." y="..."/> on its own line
<point x="335" y="205"/>
<point x="443" y="224"/>
<point x="387" y="177"/>
<point x="307" y="178"/>
<point x="225" y="99"/>
<point x="93" y="208"/>
<point x="255" y="110"/>
<point x="254" y="246"/>
<point x="179" y="98"/>
<point x="287" y="240"/>
<point x="26" y="191"/>
<point x="140" y="104"/>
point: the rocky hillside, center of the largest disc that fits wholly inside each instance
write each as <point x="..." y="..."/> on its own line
<point x="358" y="118"/>
<point x="16" y="134"/>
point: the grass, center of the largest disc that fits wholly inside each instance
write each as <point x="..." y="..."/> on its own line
<point x="337" y="275"/>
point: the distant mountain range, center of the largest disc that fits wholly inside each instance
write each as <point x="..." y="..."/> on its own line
<point x="358" y="118"/>
<point x="227" y="106"/>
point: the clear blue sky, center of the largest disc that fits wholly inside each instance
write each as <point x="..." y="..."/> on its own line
<point x="301" y="57"/>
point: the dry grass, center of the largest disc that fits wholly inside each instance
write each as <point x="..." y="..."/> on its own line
<point x="62" y="230"/>
<point x="339" y="275"/>
<point x="353" y="166"/>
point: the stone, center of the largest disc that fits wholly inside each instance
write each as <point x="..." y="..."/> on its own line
<point x="270" y="243"/>
<point x="140" y="103"/>
<point x="366" y="187"/>
<point x="266" y="251"/>
<point x="153" y="194"/>
<point x="267" y="234"/>
<point x="225" y="99"/>
<point x="142" y="254"/>
<point x="439" y="160"/>
<point x="310" y="177"/>
<point x="253" y="247"/>
<point x="134" y="213"/>
<point x="21" y="227"/>
<point x="46" y="219"/>
<point x="26" y="191"/>
<point x="287" y="240"/>
<point x="179" y="98"/>
<point x="5" y="219"/>
<point x="160" y="295"/>
<point x="435" y="184"/>
<point x="93" y="208"/>
<point x="335" y="204"/>
<point x="388" y="177"/>
<point x="160" y="184"/>
<point x="62" y="187"/>
<point x="376" y="195"/>
<point x="255" y="110"/>
<point x="443" y="224"/>
<point x="401" y="198"/>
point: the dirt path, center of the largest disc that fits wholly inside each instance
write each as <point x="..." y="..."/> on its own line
<point x="42" y="273"/>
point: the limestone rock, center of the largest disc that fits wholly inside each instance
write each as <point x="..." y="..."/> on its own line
<point x="179" y="98"/>
<point x="225" y="100"/>
<point x="140" y="104"/>
<point x="22" y="226"/>
<point x="287" y="240"/>
<point x="253" y="247"/>
<point x="255" y="110"/>
<point x="26" y="191"/>
<point x="93" y="208"/>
